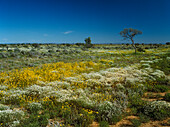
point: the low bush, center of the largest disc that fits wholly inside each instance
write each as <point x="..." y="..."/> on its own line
<point x="135" y="122"/>
<point x="157" y="110"/>
<point x="161" y="88"/>
<point x="4" y="107"/>
<point x="167" y="97"/>
<point x="157" y="88"/>
<point x="9" y="117"/>
<point x="35" y="120"/>
<point x="103" y="124"/>
<point x="140" y="49"/>
<point x="134" y="111"/>
<point x="3" y="55"/>
<point x="110" y="112"/>
<point x="143" y="118"/>
<point x="163" y="65"/>
<point x="136" y="102"/>
<point x="34" y="107"/>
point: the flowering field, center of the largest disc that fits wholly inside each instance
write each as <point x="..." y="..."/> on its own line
<point x="72" y="86"/>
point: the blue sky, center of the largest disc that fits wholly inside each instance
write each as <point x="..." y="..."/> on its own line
<point x="71" y="21"/>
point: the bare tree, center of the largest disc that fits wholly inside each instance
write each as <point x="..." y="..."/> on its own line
<point x="129" y="33"/>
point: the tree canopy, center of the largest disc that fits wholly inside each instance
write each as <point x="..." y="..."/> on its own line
<point x="130" y="33"/>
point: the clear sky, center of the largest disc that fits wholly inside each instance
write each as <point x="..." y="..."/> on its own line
<point x="71" y="21"/>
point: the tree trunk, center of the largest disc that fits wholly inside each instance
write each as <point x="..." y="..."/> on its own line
<point x="133" y="44"/>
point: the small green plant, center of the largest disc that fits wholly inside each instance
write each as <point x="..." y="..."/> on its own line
<point x="9" y="117"/>
<point x="167" y="97"/>
<point x="35" y="120"/>
<point x="143" y="118"/>
<point x="135" y="122"/>
<point x="157" y="110"/>
<point x="103" y="124"/>
<point x="135" y="101"/>
<point x="34" y="107"/>
<point x="116" y="119"/>
<point x="140" y="49"/>
<point x="161" y="88"/>
<point x="109" y="112"/>
<point x="133" y="111"/>
<point x="4" y="107"/>
<point x="158" y="96"/>
<point x="157" y="88"/>
<point x="163" y="64"/>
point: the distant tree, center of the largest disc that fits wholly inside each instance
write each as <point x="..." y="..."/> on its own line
<point x="88" y="43"/>
<point x="129" y="33"/>
<point x="79" y="44"/>
<point x="150" y="44"/>
<point x="137" y="44"/>
<point x="167" y="43"/>
<point x="127" y="44"/>
<point x="35" y="45"/>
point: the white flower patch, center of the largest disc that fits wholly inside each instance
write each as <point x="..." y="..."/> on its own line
<point x="109" y="110"/>
<point x="168" y="58"/>
<point x="4" y="107"/>
<point x="41" y="82"/>
<point x="35" y="106"/>
<point x="15" y="123"/>
<point x="9" y="116"/>
<point x="157" y="60"/>
<point x="38" y="90"/>
<point x="71" y="79"/>
<point x="62" y="95"/>
<point x="113" y="69"/>
<point x="3" y="87"/>
<point x="148" y="61"/>
<point x="147" y="70"/>
<point x="130" y="80"/>
<point x="107" y="74"/>
<point x="156" y="106"/>
<point x="82" y="96"/>
<point x="13" y="94"/>
<point x="95" y="75"/>
<point x="58" y="84"/>
<point x="145" y="65"/>
<point x="92" y="82"/>
<point x="120" y="86"/>
<point x="158" y="74"/>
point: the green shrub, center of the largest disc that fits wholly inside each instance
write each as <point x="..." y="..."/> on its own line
<point x="4" y="107"/>
<point x="157" y="110"/>
<point x="35" y="120"/>
<point x="167" y="97"/>
<point x="9" y="117"/>
<point x="34" y="107"/>
<point x="103" y="124"/>
<point x="161" y="88"/>
<point x="115" y="119"/>
<point x="84" y="120"/>
<point x="135" y="101"/>
<point x="134" y="111"/>
<point x="135" y="122"/>
<point x="158" y="96"/>
<point x="157" y="88"/>
<point x="140" y="49"/>
<point x="143" y="118"/>
<point x="110" y="112"/>
<point x="162" y="81"/>
<point x="163" y="65"/>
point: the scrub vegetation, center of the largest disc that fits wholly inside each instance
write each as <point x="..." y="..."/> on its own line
<point x="82" y="84"/>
